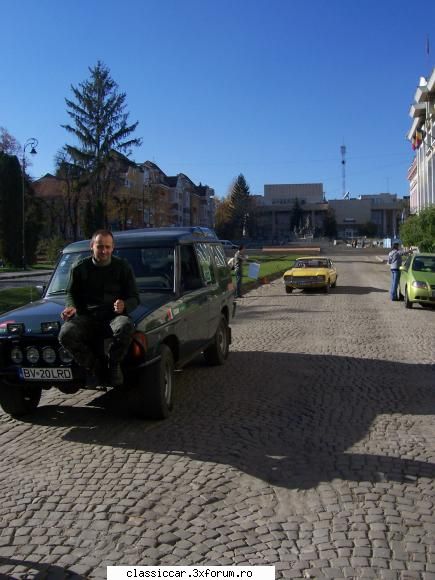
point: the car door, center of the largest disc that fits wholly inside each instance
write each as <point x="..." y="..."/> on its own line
<point x="404" y="275"/>
<point x="206" y="258"/>
<point x="194" y="303"/>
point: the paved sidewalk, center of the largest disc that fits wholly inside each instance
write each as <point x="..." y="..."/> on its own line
<point x="23" y="274"/>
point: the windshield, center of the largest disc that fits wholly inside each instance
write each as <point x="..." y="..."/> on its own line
<point x="311" y="264"/>
<point x="424" y="264"/>
<point x="153" y="268"/>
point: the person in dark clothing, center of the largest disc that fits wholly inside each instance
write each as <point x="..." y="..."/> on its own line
<point x="239" y="258"/>
<point x="101" y="293"/>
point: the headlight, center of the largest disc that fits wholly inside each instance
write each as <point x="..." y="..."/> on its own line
<point x="15" y="328"/>
<point x="65" y="356"/>
<point x="17" y="355"/>
<point x="48" y="355"/>
<point x="32" y="354"/>
<point x="50" y="327"/>
<point x="417" y="284"/>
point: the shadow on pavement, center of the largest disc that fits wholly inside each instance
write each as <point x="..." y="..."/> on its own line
<point x="37" y="570"/>
<point x="287" y="419"/>
<point x="357" y="290"/>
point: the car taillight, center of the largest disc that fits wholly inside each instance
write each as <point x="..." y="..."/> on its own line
<point x="139" y="345"/>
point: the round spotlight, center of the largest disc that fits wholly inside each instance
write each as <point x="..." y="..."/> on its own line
<point x="17" y="355"/>
<point x="32" y="354"/>
<point x="48" y="355"/>
<point x="65" y="355"/>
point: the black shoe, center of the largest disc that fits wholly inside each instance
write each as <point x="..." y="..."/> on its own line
<point x="116" y="378"/>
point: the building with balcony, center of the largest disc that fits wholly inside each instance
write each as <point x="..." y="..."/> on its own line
<point x="141" y="195"/>
<point x="421" y="175"/>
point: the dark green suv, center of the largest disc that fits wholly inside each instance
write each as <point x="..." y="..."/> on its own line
<point x="186" y="305"/>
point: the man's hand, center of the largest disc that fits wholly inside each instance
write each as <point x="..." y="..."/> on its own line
<point x="68" y="313"/>
<point x="119" y="306"/>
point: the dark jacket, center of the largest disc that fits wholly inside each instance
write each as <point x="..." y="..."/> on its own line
<point x="94" y="289"/>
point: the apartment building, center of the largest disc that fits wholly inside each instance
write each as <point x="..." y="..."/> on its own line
<point x="141" y="195"/>
<point x="421" y="174"/>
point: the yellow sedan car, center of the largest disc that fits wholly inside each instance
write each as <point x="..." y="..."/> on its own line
<point x="315" y="273"/>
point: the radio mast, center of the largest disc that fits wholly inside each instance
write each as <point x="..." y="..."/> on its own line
<point x="343" y="171"/>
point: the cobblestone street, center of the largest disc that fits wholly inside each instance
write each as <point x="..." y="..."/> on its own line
<point x="312" y="449"/>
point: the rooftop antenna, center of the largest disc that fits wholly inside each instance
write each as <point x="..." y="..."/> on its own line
<point x="343" y="172"/>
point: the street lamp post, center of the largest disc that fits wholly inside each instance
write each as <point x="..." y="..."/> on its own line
<point x="32" y="143"/>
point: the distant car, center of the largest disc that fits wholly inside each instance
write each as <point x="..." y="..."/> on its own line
<point x="417" y="280"/>
<point x="311" y="273"/>
<point x="186" y="306"/>
<point x="228" y="245"/>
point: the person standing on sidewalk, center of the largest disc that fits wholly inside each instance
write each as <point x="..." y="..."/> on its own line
<point x="239" y="258"/>
<point x="395" y="261"/>
<point x="101" y="293"/>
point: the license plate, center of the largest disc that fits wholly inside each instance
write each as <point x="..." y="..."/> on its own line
<point x="40" y="374"/>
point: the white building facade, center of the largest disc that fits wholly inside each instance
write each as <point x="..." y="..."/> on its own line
<point x="421" y="174"/>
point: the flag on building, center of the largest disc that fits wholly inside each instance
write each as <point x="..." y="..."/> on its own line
<point x="417" y="139"/>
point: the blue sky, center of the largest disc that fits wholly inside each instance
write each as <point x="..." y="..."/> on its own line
<point x="267" y="88"/>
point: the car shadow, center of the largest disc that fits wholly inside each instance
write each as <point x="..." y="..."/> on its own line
<point x="38" y="570"/>
<point x="357" y="290"/>
<point x="292" y="420"/>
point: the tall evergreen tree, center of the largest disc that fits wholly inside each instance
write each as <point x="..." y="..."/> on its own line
<point x="239" y="206"/>
<point x="100" y="124"/>
<point x="296" y="216"/>
<point x="10" y="201"/>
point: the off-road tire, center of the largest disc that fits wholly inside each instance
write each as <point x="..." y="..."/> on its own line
<point x="218" y="351"/>
<point x="152" y="397"/>
<point x="19" y="400"/>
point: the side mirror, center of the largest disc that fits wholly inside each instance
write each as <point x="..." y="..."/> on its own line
<point x="40" y="289"/>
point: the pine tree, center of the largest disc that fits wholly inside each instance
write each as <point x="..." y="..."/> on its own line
<point x="100" y="124"/>
<point x="239" y="206"/>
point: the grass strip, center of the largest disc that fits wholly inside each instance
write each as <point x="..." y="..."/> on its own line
<point x="15" y="297"/>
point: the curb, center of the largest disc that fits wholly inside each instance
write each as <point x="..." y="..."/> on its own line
<point x="18" y="275"/>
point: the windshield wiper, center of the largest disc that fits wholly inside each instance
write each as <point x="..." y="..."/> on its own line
<point x="55" y="292"/>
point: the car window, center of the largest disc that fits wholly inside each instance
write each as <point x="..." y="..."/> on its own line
<point x="153" y="267"/>
<point x="190" y="275"/>
<point x="219" y="255"/>
<point x="423" y="264"/>
<point x="206" y="263"/>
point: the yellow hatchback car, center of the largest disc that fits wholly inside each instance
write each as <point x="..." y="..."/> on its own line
<point x="417" y="280"/>
<point x="313" y="273"/>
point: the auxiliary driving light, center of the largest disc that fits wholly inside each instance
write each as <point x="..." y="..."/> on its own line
<point x="48" y="355"/>
<point x="32" y="354"/>
<point x="65" y="356"/>
<point x="17" y="355"/>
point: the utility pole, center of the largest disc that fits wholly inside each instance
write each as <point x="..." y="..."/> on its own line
<point x="343" y="170"/>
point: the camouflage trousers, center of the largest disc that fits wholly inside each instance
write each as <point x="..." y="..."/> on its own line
<point x="83" y="336"/>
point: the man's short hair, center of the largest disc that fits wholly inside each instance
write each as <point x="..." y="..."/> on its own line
<point x="102" y="232"/>
<point x="396" y="245"/>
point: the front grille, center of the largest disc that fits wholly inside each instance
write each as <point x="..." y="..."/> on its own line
<point x="305" y="279"/>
